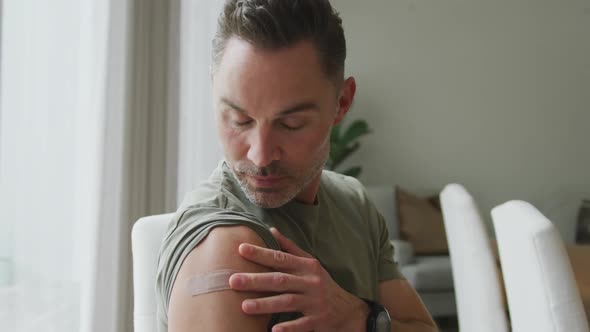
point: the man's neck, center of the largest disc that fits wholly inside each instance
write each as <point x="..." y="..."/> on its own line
<point x="309" y="194"/>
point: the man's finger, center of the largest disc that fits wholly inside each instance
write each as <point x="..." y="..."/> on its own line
<point x="288" y="245"/>
<point x="275" y="259"/>
<point x="303" y="324"/>
<point x="275" y="282"/>
<point x="273" y="304"/>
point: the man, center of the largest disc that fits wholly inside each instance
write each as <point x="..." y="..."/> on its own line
<point x="271" y="241"/>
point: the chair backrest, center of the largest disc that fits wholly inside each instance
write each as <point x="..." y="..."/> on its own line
<point x="540" y="285"/>
<point x="146" y="238"/>
<point x="475" y="274"/>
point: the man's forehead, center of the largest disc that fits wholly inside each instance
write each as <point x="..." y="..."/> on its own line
<point x="252" y="80"/>
<point x="303" y="53"/>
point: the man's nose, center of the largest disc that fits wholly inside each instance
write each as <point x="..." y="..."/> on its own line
<point x="263" y="148"/>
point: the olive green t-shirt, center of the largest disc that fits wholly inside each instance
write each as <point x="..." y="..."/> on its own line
<point x="343" y="230"/>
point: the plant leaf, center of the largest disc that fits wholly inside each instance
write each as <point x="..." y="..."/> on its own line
<point x="335" y="134"/>
<point x="339" y="153"/>
<point x="357" y="129"/>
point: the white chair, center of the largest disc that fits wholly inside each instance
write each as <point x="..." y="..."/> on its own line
<point x="540" y="286"/>
<point x="475" y="274"/>
<point x="146" y="237"/>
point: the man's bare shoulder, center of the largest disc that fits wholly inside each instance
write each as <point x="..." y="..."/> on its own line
<point x="220" y="310"/>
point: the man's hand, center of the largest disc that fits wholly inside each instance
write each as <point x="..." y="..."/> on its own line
<point x="302" y="285"/>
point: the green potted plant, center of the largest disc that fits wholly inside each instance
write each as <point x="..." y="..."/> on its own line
<point x="343" y="143"/>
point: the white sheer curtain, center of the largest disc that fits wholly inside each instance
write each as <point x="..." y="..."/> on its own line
<point x="199" y="150"/>
<point x="105" y="116"/>
<point x="63" y="100"/>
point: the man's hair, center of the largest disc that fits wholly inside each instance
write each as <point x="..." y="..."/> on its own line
<point x="276" y="24"/>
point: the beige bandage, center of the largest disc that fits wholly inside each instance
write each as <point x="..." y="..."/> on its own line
<point x="209" y="282"/>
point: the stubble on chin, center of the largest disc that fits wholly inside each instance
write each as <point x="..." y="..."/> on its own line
<point x="296" y="179"/>
<point x="266" y="198"/>
<point x="270" y="198"/>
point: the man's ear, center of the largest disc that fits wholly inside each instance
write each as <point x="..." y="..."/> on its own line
<point x="345" y="99"/>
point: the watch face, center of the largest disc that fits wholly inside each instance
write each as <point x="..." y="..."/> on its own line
<point x="383" y="322"/>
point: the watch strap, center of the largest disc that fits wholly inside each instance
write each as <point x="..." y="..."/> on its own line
<point x="375" y="309"/>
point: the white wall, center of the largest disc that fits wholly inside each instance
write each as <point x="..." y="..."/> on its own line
<point x="492" y="94"/>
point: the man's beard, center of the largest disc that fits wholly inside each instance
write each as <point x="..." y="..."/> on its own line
<point x="293" y="182"/>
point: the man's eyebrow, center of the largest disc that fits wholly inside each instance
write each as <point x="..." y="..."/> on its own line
<point x="234" y="106"/>
<point x="300" y="107"/>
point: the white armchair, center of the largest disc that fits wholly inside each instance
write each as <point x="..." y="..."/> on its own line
<point x="478" y="292"/>
<point x="540" y="286"/>
<point x="146" y="237"/>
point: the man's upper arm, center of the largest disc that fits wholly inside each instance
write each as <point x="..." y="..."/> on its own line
<point x="403" y="303"/>
<point x="220" y="310"/>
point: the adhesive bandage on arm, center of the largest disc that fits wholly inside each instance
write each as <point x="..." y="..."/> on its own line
<point x="209" y="282"/>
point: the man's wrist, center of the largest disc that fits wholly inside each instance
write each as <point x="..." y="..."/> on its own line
<point x="378" y="319"/>
<point x="361" y="311"/>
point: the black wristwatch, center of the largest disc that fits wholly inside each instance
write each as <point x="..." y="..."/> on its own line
<point x="378" y="319"/>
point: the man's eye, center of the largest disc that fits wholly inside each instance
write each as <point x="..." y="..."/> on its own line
<point x="290" y="127"/>
<point x="292" y="124"/>
<point x="242" y="123"/>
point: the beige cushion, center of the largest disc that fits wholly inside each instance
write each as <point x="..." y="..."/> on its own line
<point x="578" y="255"/>
<point x="421" y="223"/>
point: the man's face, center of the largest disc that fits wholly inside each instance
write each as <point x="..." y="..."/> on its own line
<point x="274" y="112"/>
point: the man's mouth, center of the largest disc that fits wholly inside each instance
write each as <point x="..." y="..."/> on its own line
<point x="265" y="181"/>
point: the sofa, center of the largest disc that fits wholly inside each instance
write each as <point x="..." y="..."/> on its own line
<point x="430" y="275"/>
